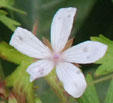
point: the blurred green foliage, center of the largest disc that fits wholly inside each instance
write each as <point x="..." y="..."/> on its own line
<point x="90" y="93"/>
<point x="109" y="97"/>
<point x="93" y="17"/>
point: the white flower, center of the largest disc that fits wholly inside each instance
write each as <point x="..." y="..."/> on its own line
<point x="69" y="74"/>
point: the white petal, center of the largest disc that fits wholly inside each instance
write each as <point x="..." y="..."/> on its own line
<point x="25" y="42"/>
<point x="39" y="69"/>
<point x="72" y="79"/>
<point x="61" y="27"/>
<point x="86" y="52"/>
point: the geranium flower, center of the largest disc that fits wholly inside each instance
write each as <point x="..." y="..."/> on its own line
<point x="57" y="54"/>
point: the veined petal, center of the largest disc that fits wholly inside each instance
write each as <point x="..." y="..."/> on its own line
<point x="39" y="69"/>
<point x="61" y="27"/>
<point x="72" y="79"/>
<point x="86" y="52"/>
<point x="25" y="42"/>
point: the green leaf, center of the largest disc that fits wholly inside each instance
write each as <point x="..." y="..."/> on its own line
<point x="109" y="97"/>
<point x="10" y="54"/>
<point x="2" y="12"/>
<point x="10" y="23"/>
<point x="11" y="2"/>
<point x="20" y="81"/>
<point x="19" y="78"/>
<point x="37" y="100"/>
<point x="8" y="4"/>
<point x="107" y="60"/>
<point x="49" y="96"/>
<point x="90" y="93"/>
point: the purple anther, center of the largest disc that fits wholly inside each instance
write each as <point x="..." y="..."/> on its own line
<point x="56" y="56"/>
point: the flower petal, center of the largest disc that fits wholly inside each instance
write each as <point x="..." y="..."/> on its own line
<point x="25" y="42"/>
<point x="72" y="79"/>
<point x="61" y="27"/>
<point x="39" y="69"/>
<point x="86" y="52"/>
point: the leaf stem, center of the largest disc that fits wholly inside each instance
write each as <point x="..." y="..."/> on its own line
<point x="17" y="10"/>
<point x="101" y="79"/>
<point x="52" y="81"/>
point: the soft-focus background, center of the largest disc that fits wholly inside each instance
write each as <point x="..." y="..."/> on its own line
<point x="93" y="17"/>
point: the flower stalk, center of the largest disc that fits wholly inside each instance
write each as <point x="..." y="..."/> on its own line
<point x="56" y="86"/>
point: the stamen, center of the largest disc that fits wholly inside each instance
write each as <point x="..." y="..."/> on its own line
<point x="56" y="56"/>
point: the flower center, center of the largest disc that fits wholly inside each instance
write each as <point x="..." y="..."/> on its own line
<point x="56" y="58"/>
